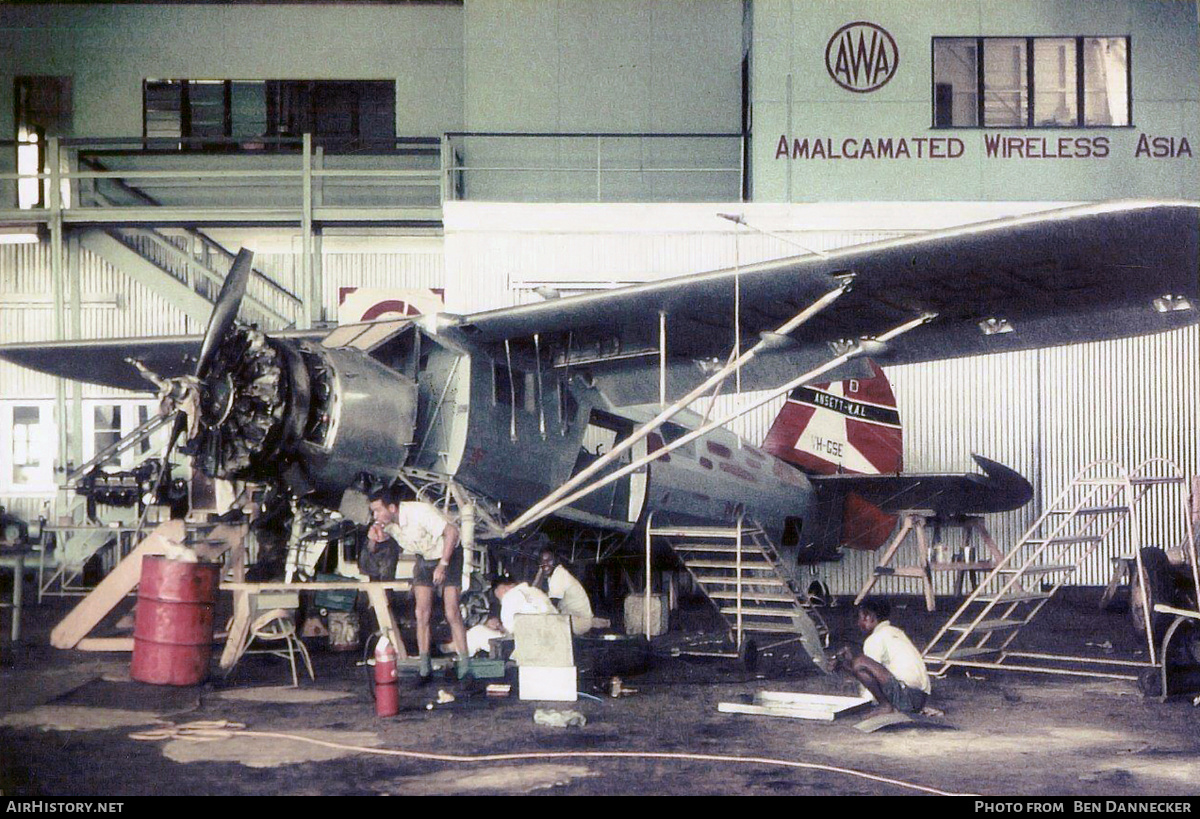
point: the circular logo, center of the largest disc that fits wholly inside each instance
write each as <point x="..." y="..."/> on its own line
<point x="861" y="57"/>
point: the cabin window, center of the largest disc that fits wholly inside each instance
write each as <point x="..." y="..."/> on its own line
<point x="509" y="386"/>
<point x="28" y="441"/>
<point x="673" y="432"/>
<point x="42" y="109"/>
<point x="792" y="529"/>
<point x="1031" y="82"/>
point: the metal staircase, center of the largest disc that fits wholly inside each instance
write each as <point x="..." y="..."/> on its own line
<point x="1085" y="515"/>
<point x="188" y="263"/>
<point x="739" y="570"/>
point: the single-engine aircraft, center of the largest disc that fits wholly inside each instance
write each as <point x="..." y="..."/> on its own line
<point x="576" y="408"/>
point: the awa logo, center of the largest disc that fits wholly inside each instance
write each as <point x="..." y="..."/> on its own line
<point x="861" y="57"/>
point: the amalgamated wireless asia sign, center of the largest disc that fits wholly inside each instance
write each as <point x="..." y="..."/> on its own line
<point x="861" y="57"/>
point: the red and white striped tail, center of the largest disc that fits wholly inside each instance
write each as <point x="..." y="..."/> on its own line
<point x="842" y="427"/>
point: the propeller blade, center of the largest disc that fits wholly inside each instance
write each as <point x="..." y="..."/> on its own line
<point x="225" y="311"/>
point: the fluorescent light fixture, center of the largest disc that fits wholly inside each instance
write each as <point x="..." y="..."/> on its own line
<point x="1170" y="304"/>
<point x="995" y="326"/>
<point x="21" y="234"/>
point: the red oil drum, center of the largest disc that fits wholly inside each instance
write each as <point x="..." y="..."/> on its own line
<point x="173" y="629"/>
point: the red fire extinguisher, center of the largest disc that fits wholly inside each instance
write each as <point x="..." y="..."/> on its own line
<point x="387" y="689"/>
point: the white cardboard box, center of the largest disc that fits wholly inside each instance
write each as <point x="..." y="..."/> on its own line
<point x="540" y="683"/>
<point x="659" y="613"/>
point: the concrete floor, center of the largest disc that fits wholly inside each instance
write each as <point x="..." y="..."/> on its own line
<point x="66" y="718"/>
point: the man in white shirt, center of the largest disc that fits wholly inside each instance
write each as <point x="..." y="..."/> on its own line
<point x="419" y="529"/>
<point x="567" y="593"/>
<point x="515" y="598"/>
<point x="890" y="667"/>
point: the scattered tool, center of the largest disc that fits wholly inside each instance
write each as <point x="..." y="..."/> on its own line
<point x="617" y="688"/>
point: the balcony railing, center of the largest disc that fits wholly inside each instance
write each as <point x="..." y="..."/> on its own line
<point x="593" y="167"/>
<point x="209" y="181"/>
<point x="304" y="183"/>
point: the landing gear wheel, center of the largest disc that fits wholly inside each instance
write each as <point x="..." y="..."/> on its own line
<point x="748" y="655"/>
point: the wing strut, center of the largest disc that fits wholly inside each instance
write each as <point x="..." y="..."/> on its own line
<point x="536" y="512"/>
<point x="866" y="346"/>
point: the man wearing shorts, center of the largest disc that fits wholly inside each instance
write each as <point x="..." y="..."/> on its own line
<point x="419" y="529"/>
<point x="890" y="667"/>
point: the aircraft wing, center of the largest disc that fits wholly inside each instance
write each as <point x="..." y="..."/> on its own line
<point x="105" y="361"/>
<point x="1071" y="275"/>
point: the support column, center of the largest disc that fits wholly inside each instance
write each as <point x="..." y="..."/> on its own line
<point x="306" y="229"/>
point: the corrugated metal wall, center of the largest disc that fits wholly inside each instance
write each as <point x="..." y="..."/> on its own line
<point x="115" y="306"/>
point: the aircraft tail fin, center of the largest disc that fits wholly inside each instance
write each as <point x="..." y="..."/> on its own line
<point x="844" y="427"/>
<point x="839" y="428"/>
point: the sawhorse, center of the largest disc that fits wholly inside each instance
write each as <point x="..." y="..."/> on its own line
<point x="916" y="524"/>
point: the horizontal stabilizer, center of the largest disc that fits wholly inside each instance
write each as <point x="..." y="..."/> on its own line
<point x="999" y="489"/>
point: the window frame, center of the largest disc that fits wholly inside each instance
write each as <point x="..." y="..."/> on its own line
<point x="1080" y="123"/>
<point x="49" y="439"/>
<point x="312" y="91"/>
<point x="130" y="421"/>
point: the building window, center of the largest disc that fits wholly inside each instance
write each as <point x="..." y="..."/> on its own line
<point x="42" y="109"/>
<point x="1031" y="82"/>
<point x="106" y="422"/>
<point x="27" y="447"/>
<point x="340" y="114"/>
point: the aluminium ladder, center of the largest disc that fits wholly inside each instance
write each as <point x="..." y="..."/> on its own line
<point x="1085" y="515"/>
<point x="739" y="569"/>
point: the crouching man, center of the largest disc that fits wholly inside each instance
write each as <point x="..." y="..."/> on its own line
<point x="890" y="667"/>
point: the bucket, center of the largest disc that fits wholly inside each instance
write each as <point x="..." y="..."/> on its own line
<point x="343" y="631"/>
<point x="173" y="630"/>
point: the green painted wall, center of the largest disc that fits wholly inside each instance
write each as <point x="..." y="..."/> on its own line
<point x="789" y="43"/>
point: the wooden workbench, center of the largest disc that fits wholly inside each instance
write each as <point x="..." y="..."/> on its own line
<point x="239" y="631"/>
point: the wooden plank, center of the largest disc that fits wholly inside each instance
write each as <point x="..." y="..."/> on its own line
<point x="835" y="702"/>
<point x="112" y="589"/>
<point x="817" y="714"/>
<point x="383" y="614"/>
<point x="105" y="644"/>
<point x="239" y="631"/>
<point x="345" y="585"/>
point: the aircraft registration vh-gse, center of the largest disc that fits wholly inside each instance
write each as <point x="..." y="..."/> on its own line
<point x="575" y="408"/>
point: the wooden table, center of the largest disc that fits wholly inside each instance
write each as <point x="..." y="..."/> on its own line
<point x="376" y="591"/>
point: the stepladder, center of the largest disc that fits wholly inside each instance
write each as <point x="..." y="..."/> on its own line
<point x="1106" y="511"/>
